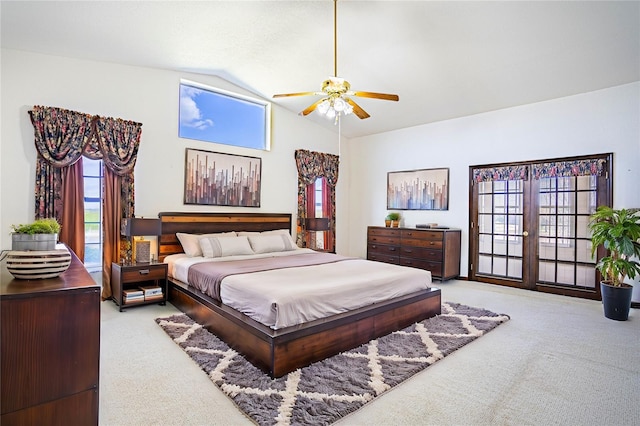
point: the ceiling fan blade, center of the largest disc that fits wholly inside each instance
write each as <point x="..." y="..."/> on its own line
<point x="284" y="95"/>
<point x="308" y="110"/>
<point x="384" y="96"/>
<point x="362" y="114"/>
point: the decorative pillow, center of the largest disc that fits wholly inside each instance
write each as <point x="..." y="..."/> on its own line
<point x="286" y="236"/>
<point x="225" y="246"/>
<point x="191" y="242"/>
<point x="267" y="243"/>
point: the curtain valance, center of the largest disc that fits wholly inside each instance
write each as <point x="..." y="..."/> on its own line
<point x="62" y="136"/>
<point x="312" y="165"/>
<point x="593" y="167"/>
<point x="515" y="172"/>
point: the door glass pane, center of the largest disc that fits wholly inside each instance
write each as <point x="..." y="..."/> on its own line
<point x="547" y="248"/>
<point x="485" y="244"/>
<point x="515" y="268"/>
<point x="500" y="228"/>
<point x="485" y="204"/>
<point x="499" y="244"/>
<point x="564" y="246"/>
<point x="484" y="222"/>
<point x="484" y="264"/>
<point x="515" y="246"/>
<point x="500" y="266"/>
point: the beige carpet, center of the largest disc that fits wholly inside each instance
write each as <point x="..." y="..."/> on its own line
<point x="558" y="361"/>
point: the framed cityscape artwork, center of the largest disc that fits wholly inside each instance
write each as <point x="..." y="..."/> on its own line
<point x="217" y="179"/>
<point x="425" y="189"/>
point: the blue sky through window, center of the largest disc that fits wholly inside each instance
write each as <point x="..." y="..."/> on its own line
<point x="216" y="116"/>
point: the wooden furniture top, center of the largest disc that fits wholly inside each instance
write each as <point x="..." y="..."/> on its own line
<point x="76" y="276"/>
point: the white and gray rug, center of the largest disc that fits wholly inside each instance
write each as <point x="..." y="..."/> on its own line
<point x="330" y="389"/>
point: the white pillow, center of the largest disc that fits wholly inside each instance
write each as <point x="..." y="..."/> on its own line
<point x="267" y="243"/>
<point x="225" y="246"/>
<point x="286" y="236"/>
<point x="191" y="242"/>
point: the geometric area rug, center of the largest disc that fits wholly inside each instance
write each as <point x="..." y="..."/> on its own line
<point x="328" y="390"/>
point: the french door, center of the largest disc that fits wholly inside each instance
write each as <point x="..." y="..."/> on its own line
<point x="529" y="223"/>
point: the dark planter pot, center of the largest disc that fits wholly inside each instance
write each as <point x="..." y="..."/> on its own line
<point x="616" y="301"/>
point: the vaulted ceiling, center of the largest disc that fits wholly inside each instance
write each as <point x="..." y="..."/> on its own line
<point x="444" y="59"/>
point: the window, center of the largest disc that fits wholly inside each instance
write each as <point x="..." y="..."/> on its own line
<point x="318" y="207"/>
<point x="215" y="115"/>
<point x="93" y="182"/>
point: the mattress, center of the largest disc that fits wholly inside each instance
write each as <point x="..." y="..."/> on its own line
<point x="286" y="297"/>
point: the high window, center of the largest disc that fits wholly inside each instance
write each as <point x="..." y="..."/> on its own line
<point x="93" y="183"/>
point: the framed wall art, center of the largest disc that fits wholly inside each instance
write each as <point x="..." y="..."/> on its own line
<point x="215" y="115"/>
<point x="217" y="179"/>
<point x="426" y="189"/>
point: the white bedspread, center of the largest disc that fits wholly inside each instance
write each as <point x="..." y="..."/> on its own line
<point x="286" y="297"/>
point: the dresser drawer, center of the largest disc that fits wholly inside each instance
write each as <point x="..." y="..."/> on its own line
<point x="143" y="274"/>
<point x="383" y="249"/>
<point x="421" y="253"/>
<point x="387" y="232"/>
<point x="386" y="258"/>
<point x="434" y="267"/>
<point x="383" y="239"/>
<point x="434" y="244"/>
<point x="411" y="234"/>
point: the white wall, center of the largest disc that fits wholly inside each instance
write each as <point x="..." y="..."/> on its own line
<point x="145" y="95"/>
<point x="596" y="122"/>
<point x="590" y="123"/>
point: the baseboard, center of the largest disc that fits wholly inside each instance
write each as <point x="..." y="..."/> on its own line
<point x="635" y="305"/>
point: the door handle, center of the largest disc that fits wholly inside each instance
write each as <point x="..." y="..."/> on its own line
<point x="525" y="234"/>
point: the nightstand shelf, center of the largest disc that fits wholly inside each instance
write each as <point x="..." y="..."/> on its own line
<point x="130" y="277"/>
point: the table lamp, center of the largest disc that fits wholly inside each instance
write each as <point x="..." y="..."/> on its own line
<point x="133" y="227"/>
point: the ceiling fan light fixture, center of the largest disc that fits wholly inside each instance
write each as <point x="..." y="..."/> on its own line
<point x="337" y="89"/>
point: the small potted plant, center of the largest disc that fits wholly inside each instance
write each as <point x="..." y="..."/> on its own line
<point x="39" y="235"/>
<point x="618" y="231"/>
<point x="393" y="219"/>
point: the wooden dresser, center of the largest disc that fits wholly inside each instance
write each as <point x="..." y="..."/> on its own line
<point x="436" y="250"/>
<point x="50" y="348"/>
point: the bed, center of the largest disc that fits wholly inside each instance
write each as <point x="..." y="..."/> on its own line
<point x="282" y="347"/>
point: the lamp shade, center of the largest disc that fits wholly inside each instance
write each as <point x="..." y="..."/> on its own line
<point x="133" y="226"/>
<point x="316" y="223"/>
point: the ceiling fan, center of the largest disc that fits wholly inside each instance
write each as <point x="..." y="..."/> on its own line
<point x="336" y="91"/>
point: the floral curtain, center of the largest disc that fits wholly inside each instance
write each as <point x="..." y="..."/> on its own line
<point x="592" y="166"/>
<point x="515" y="172"/>
<point x="312" y="165"/>
<point x="61" y="138"/>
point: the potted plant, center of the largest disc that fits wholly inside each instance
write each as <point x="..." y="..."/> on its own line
<point x="39" y="235"/>
<point x="618" y="231"/>
<point x="393" y="219"/>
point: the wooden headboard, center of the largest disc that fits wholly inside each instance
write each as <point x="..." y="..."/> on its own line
<point x="209" y="223"/>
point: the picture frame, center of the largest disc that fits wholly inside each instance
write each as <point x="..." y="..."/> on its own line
<point x="219" y="179"/>
<point x="214" y="115"/>
<point x="423" y="189"/>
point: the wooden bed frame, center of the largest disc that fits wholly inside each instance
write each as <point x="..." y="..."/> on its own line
<point x="279" y="352"/>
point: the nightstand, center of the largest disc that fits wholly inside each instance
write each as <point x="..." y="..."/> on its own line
<point x="138" y="284"/>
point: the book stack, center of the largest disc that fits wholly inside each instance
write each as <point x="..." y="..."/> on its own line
<point x="152" y="292"/>
<point x="132" y="296"/>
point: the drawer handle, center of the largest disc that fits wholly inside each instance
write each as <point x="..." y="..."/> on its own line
<point x="143" y="271"/>
<point x="392" y="249"/>
<point x="373" y="246"/>
<point x="431" y="243"/>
